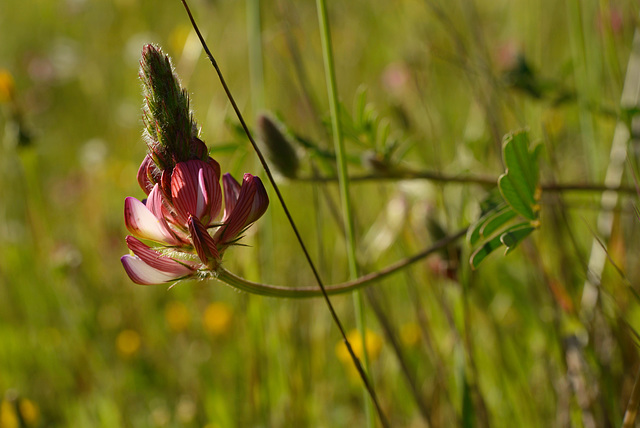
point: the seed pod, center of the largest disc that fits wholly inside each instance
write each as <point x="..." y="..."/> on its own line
<point x="279" y="148"/>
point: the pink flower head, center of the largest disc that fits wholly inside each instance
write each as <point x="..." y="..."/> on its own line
<point x="182" y="184"/>
<point x="179" y="222"/>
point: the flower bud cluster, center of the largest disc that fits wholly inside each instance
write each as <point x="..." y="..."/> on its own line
<point x="182" y="182"/>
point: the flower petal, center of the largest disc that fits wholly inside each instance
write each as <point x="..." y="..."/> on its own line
<point x="195" y="191"/>
<point x="144" y="178"/>
<point x="216" y="167"/>
<point x="209" y="186"/>
<point x="260" y="200"/>
<point x="203" y="242"/>
<point x="143" y="274"/>
<point x="231" y="192"/>
<point x="157" y="260"/>
<point x="251" y="204"/>
<point x="141" y="222"/>
<point x="237" y="220"/>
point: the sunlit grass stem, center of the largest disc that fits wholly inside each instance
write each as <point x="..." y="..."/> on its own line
<point x="292" y="224"/>
<point x="343" y="181"/>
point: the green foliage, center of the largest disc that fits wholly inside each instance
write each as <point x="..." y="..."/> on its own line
<point x="520" y="190"/>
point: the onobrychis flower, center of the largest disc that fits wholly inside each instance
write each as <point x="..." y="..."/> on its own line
<point x="182" y="184"/>
<point x="183" y="222"/>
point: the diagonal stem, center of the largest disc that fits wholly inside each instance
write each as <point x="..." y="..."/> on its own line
<point x="343" y="181"/>
<point x="316" y="274"/>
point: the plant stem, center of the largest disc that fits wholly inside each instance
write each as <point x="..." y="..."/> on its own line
<point x="343" y="180"/>
<point x="345" y="287"/>
<point x="267" y="170"/>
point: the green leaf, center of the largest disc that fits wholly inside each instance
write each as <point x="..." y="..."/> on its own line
<point x="516" y="197"/>
<point x="517" y="159"/>
<point x="497" y="221"/>
<point x="477" y="231"/>
<point x="481" y="253"/>
<point x="516" y="234"/>
<point x="519" y="183"/>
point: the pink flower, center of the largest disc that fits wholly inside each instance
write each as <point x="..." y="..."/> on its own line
<point x="182" y="184"/>
<point x="181" y="208"/>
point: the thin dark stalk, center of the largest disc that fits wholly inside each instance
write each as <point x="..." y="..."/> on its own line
<point x="316" y="274"/>
<point x="391" y="336"/>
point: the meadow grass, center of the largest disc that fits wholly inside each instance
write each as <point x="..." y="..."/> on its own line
<point x="423" y="86"/>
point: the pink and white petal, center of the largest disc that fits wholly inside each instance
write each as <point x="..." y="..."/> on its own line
<point x="216" y="167"/>
<point x="184" y="190"/>
<point x="238" y="218"/>
<point x="231" y="192"/>
<point x="215" y="204"/>
<point x="201" y="194"/>
<point x="260" y="200"/>
<point x="210" y="194"/>
<point x="143" y="274"/>
<point x="157" y="260"/>
<point x="141" y="222"/>
<point x="143" y="174"/>
<point x="156" y="204"/>
<point x="195" y="190"/>
<point x="154" y="201"/>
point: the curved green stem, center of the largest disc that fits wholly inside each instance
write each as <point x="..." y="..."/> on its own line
<point x="345" y="287"/>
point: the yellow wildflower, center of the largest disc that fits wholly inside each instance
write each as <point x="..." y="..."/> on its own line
<point x="128" y="343"/>
<point x="7" y="86"/>
<point x="217" y="318"/>
<point x="410" y="333"/>
<point x="30" y="412"/>
<point x="177" y="316"/>
<point x="373" y="343"/>
<point x="8" y="416"/>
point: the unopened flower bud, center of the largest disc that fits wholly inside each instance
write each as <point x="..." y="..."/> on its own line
<point x="279" y="148"/>
<point x="170" y="130"/>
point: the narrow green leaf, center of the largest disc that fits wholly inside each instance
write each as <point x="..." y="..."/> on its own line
<point x="516" y="234"/>
<point x="490" y="222"/>
<point x="496" y="222"/>
<point x="481" y="253"/>
<point x="475" y="232"/>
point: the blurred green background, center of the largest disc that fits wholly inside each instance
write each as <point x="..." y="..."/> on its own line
<point x="81" y="345"/>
